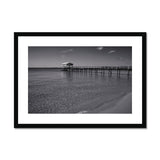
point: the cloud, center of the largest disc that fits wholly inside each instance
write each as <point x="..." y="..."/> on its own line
<point x="67" y="50"/>
<point x="99" y="48"/>
<point x="111" y="51"/>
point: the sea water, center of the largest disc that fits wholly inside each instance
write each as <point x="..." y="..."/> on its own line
<point x="57" y="91"/>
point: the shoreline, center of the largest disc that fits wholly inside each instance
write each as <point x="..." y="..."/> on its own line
<point x="124" y="105"/>
<point x="121" y="104"/>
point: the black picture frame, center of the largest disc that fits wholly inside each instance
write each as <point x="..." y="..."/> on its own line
<point x="144" y="79"/>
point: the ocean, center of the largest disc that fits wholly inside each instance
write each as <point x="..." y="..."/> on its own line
<point x="57" y="91"/>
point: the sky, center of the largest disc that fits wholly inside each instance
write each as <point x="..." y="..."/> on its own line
<point x="79" y="56"/>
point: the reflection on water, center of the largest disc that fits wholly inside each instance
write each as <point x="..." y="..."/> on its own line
<point x="70" y="75"/>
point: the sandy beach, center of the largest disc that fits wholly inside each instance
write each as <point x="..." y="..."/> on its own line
<point x="119" y="104"/>
<point x="124" y="105"/>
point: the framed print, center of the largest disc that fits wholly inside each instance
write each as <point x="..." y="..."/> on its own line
<point x="80" y="80"/>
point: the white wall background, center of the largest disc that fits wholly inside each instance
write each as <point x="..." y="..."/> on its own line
<point x="82" y="15"/>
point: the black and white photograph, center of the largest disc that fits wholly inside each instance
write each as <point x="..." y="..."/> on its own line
<point x="78" y="79"/>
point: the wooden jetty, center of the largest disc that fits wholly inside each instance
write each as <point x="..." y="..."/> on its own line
<point x="100" y="69"/>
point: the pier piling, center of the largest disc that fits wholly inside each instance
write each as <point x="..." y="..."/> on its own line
<point x="101" y="69"/>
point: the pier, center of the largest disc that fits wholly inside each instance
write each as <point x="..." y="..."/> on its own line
<point x="100" y="69"/>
